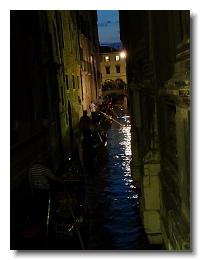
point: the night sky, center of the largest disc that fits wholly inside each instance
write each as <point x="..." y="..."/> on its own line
<point x="108" y="26"/>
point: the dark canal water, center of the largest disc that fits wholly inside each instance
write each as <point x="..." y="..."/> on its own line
<point x="113" y="201"/>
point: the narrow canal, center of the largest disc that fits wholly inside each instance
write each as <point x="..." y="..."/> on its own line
<point x="111" y="221"/>
<point x="113" y="201"/>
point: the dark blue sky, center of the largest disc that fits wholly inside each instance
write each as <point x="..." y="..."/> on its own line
<point x="108" y="26"/>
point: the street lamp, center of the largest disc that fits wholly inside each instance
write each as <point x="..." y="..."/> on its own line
<point x="123" y="54"/>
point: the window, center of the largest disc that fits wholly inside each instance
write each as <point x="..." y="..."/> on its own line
<point x="70" y="37"/>
<point x="117" y="58"/>
<point x="117" y="69"/>
<point x="107" y="69"/>
<point x="107" y="58"/>
<point x="67" y="83"/>
<point x="78" y="82"/>
<point x="73" y="82"/>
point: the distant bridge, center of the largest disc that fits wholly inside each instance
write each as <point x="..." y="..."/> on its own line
<point x="115" y="91"/>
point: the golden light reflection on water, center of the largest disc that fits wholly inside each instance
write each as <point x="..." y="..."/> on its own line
<point x="118" y="196"/>
<point x="126" y="156"/>
<point x="126" y="143"/>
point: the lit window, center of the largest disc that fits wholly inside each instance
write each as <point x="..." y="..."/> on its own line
<point x="117" y="58"/>
<point x="107" y="58"/>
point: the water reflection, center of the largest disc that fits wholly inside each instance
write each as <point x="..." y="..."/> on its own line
<point x="118" y="198"/>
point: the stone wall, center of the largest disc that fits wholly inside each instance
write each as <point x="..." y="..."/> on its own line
<point x="159" y="88"/>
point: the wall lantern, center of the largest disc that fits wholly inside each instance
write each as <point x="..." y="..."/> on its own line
<point x="123" y="54"/>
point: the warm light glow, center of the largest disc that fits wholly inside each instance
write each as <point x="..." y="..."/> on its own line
<point x="123" y="54"/>
<point x="117" y="58"/>
<point x="107" y="58"/>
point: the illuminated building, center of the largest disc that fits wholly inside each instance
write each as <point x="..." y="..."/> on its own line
<point x="89" y="58"/>
<point x="113" y="68"/>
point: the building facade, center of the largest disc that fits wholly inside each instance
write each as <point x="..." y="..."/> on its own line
<point x="113" y="68"/>
<point x="89" y="56"/>
<point x="47" y="95"/>
<point x="158" y="62"/>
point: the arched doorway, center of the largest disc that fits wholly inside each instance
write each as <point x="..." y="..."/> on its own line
<point x="108" y="84"/>
<point x="119" y="83"/>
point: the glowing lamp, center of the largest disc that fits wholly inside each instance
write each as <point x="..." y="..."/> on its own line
<point x="123" y="54"/>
